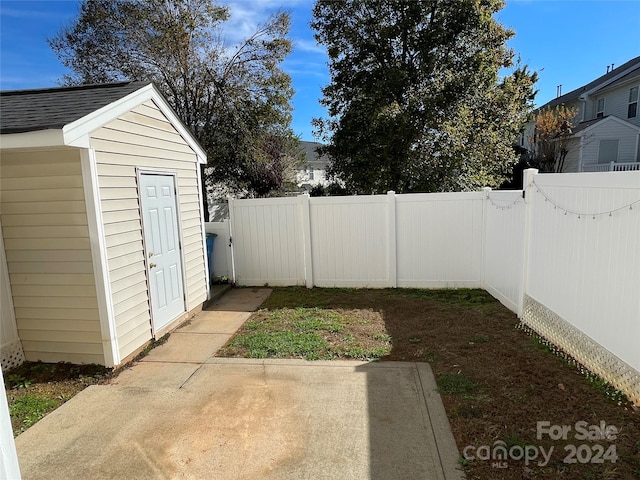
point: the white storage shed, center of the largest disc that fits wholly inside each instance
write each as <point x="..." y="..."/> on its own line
<point x="102" y="244"/>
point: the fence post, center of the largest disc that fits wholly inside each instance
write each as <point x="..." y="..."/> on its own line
<point x="227" y="244"/>
<point x="9" y="467"/>
<point x="232" y="272"/>
<point x="527" y="191"/>
<point x="392" y="253"/>
<point x="612" y="166"/>
<point x="485" y="200"/>
<point x="306" y="239"/>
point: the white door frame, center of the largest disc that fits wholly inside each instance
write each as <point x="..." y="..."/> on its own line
<point x="140" y="171"/>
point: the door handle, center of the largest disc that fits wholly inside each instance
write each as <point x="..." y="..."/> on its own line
<point x="150" y="254"/>
<point x="151" y="265"/>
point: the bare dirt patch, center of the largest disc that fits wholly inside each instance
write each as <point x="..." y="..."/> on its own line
<point x="496" y="380"/>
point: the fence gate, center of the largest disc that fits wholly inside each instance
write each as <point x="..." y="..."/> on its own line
<point x="267" y="241"/>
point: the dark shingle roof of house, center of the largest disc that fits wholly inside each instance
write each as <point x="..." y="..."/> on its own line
<point x="582" y="125"/>
<point x="53" y="108"/>
<point x="631" y="75"/>
<point x="575" y="94"/>
<point x="311" y="156"/>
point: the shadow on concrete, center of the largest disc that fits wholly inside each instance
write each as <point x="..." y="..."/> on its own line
<point x="227" y="299"/>
<point x="409" y="435"/>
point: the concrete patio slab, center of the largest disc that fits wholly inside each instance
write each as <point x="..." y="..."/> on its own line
<point x="156" y="375"/>
<point x="187" y="347"/>
<point x="215" y="322"/>
<point x="241" y="300"/>
<point x="240" y="420"/>
<point x="183" y="414"/>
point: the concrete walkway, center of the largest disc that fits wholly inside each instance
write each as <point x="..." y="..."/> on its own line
<point x="182" y="413"/>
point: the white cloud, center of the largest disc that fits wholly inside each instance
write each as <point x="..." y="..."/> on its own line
<point x="18" y="13"/>
<point x="37" y="10"/>
<point x="298" y="72"/>
<point x="246" y="16"/>
<point x="309" y="46"/>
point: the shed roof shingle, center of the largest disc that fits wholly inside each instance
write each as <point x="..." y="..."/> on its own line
<point x="53" y="108"/>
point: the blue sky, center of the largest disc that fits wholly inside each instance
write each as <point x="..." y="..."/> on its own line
<point x="568" y="42"/>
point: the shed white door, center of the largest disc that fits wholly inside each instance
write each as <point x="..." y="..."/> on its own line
<point x="162" y="242"/>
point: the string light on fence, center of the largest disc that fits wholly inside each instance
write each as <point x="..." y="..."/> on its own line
<point x="593" y="215"/>
<point x="503" y="206"/>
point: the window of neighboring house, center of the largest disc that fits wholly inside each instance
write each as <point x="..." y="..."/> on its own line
<point x="600" y="108"/>
<point x="632" y="112"/>
<point x="608" y="151"/>
<point x="309" y="172"/>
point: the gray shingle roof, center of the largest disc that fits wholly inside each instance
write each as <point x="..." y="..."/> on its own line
<point x="575" y="94"/>
<point x="311" y="156"/>
<point x="53" y="108"/>
<point x="582" y="125"/>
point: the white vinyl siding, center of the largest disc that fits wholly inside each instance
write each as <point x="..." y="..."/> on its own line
<point x="47" y="245"/>
<point x="572" y="160"/>
<point x="617" y="101"/>
<point x="609" y="130"/>
<point x="578" y="106"/>
<point x="144" y="138"/>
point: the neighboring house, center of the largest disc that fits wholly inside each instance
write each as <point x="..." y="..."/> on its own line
<point x="313" y="170"/>
<point x="606" y="132"/>
<point x="102" y="244"/>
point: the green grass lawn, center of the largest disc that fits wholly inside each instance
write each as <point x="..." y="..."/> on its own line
<point x="310" y="333"/>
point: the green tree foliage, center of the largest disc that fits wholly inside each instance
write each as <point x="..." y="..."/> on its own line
<point x="551" y="142"/>
<point x="236" y="99"/>
<point x="415" y="102"/>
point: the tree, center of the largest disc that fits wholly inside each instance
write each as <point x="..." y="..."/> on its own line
<point x="553" y="130"/>
<point x="415" y="102"/>
<point x="235" y="99"/>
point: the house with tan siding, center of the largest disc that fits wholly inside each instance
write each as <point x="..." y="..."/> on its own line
<point x="606" y="129"/>
<point x="102" y="243"/>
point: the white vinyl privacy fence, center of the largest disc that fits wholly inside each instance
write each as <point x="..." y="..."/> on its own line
<point x="564" y="254"/>
<point x="360" y="241"/>
<point x="582" y="270"/>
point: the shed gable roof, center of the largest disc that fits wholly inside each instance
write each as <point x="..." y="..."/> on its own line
<point x="53" y="108"/>
<point x="66" y="116"/>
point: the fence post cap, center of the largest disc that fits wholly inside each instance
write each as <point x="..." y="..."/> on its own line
<point x="391" y="192"/>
